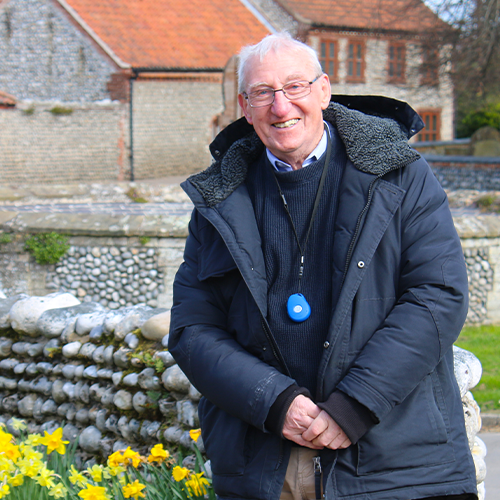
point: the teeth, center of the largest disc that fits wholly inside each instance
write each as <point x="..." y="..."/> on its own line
<point x="286" y="124"/>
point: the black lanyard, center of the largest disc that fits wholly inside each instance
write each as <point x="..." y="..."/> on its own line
<point x="315" y="208"/>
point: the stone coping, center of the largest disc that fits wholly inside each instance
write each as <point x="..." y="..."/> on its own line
<point x="432" y="158"/>
<point x="172" y="225"/>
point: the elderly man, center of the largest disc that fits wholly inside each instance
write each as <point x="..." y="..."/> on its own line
<point x="322" y="289"/>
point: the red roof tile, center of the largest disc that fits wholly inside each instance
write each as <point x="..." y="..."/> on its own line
<point x="7" y="99"/>
<point x="398" y="15"/>
<point x="172" y="33"/>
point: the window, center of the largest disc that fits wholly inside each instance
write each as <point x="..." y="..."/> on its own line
<point x="328" y="58"/>
<point x="432" y="121"/>
<point x="397" y="62"/>
<point x="430" y="66"/>
<point x="355" y="62"/>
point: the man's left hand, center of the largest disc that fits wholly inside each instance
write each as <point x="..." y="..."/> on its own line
<point x="325" y="432"/>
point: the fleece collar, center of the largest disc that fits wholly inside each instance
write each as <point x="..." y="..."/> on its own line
<point x="374" y="144"/>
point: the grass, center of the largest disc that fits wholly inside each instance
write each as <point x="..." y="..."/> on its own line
<point x="484" y="342"/>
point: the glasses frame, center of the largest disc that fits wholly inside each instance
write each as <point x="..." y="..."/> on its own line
<point x="282" y="89"/>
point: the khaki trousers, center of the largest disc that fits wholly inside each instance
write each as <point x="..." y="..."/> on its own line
<point x="299" y="479"/>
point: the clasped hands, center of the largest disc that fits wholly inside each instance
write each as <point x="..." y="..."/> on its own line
<point x="308" y="425"/>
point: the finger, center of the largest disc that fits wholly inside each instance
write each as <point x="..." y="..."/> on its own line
<point x="318" y="426"/>
<point x="307" y="444"/>
<point x="340" y="442"/>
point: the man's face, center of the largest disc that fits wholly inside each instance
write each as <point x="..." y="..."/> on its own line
<point x="289" y="129"/>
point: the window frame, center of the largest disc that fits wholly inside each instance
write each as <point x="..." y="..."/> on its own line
<point x="433" y="115"/>
<point x="429" y="68"/>
<point x="356" y="42"/>
<point x="395" y="78"/>
<point x="324" y="60"/>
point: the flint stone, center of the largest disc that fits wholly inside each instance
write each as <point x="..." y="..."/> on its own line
<point x="123" y="400"/>
<point x="5" y="307"/>
<point x="90" y="439"/>
<point x="20" y="368"/>
<point x="44" y="367"/>
<point x="148" y="380"/>
<point x="68" y="371"/>
<point x="8" y="383"/>
<point x="133" y="320"/>
<point x="134" y="427"/>
<point x="50" y="426"/>
<point x="84" y="393"/>
<point x="86" y="322"/>
<point x="149" y="430"/>
<point x="174" y="379"/>
<point x="96" y="332"/>
<point x="79" y="371"/>
<point x="187" y="413"/>
<point x="57" y="370"/>
<point x="25" y="313"/>
<point x="71" y="412"/>
<point x="49" y="407"/>
<point x="11" y="403"/>
<point x="117" y="378"/>
<point x="90" y="372"/>
<point x="167" y="408"/>
<point x="8" y="364"/>
<point x="141" y="402"/>
<point x="58" y="394"/>
<point x="120" y="357"/>
<point x="111" y="424"/>
<point x="24" y="385"/>
<point x="87" y="350"/>
<point x="96" y="392"/>
<point x="5" y="347"/>
<point x="108" y="397"/>
<point x="122" y="426"/>
<point x="130" y="379"/>
<point x="164" y="342"/>
<point x="114" y="317"/>
<point x="100" y="420"/>
<point x="52" y="323"/>
<point x="106" y="446"/>
<point x="166" y="357"/>
<point x="98" y="354"/>
<point x="70" y="433"/>
<point x="49" y="346"/>
<point x="69" y="390"/>
<point x="35" y="350"/>
<point x="131" y="341"/>
<point x="468" y="369"/>
<point x="82" y="416"/>
<point x="62" y="410"/>
<point x="104" y="373"/>
<point x="108" y="355"/>
<point x="20" y="348"/>
<point x="37" y="409"/>
<point x="71" y="350"/>
<point x="42" y="385"/>
<point x="156" y="327"/>
<point x="173" y="434"/>
<point x="31" y="369"/>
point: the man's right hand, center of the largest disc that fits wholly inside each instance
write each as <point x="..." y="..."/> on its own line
<point x="299" y="417"/>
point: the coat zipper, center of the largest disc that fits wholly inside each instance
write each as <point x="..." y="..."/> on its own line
<point x="272" y="342"/>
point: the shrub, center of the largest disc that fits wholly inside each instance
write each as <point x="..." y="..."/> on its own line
<point x="47" y="248"/>
<point x="474" y="120"/>
<point x="61" y="110"/>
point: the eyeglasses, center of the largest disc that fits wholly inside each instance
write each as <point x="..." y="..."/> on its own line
<point x="264" y="96"/>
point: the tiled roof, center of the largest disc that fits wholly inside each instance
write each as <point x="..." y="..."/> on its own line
<point x="398" y="15"/>
<point x="192" y="34"/>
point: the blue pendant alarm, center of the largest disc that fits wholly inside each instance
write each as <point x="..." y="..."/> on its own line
<point x="298" y="308"/>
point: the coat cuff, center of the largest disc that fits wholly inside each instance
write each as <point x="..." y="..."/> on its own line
<point x="352" y="417"/>
<point x="277" y="413"/>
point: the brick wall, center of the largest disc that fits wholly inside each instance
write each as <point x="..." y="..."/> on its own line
<point x="38" y="145"/>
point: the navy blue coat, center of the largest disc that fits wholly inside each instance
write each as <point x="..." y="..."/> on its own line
<point x="401" y="306"/>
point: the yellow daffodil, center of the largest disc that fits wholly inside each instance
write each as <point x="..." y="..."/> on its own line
<point x="5" y="437"/>
<point x="33" y="440"/>
<point x="158" y="454"/>
<point x="195" y="434"/>
<point x="58" y="491"/>
<point x="10" y="451"/>
<point x="131" y="457"/>
<point x="16" y="480"/>
<point x="4" y="490"/>
<point x="179" y="473"/>
<point x="96" y="473"/>
<point x="18" y="425"/>
<point x="29" y="467"/>
<point x="134" y="490"/>
<point x="197" y="485"/>
<point x="115" y="459"/>
<point x="77" y="478"/>
<point x="114" y="470"/>
<point x="45" y="478"/>
<point x="94" y="493"/>
<point x="54" y="442"/>
<point x="30" y="453"/>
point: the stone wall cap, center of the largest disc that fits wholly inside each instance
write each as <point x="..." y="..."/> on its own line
<point x="478" y="226"/>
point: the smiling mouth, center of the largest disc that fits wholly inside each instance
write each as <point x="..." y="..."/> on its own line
<point x="288" y="123"/>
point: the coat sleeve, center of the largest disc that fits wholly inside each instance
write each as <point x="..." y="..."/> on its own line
<point x="431" y="300"/>
<point x="226" y="373"/>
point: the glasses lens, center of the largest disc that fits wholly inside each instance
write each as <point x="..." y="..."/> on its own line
<point x="295" y="90"/>
<point x="261" y="97"/>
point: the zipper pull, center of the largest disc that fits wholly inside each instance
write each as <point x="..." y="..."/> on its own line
<point x="317" y="477"/>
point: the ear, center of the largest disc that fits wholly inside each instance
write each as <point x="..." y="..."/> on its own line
<point x="326" y="91"/>
<point x="245" y="108"/>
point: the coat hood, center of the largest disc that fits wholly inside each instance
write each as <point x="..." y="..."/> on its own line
<point x="375" y="131"/>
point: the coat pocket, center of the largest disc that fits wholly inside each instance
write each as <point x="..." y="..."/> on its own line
<point x="224" y="439"/>
<point x="413" y="434"/>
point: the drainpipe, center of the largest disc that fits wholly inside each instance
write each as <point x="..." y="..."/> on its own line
<point x="131" y="124"/>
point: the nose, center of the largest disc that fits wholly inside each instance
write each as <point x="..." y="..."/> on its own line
<point x="281" y="104"/>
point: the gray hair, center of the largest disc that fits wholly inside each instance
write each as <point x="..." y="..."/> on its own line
<point x="273" y="43"/>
